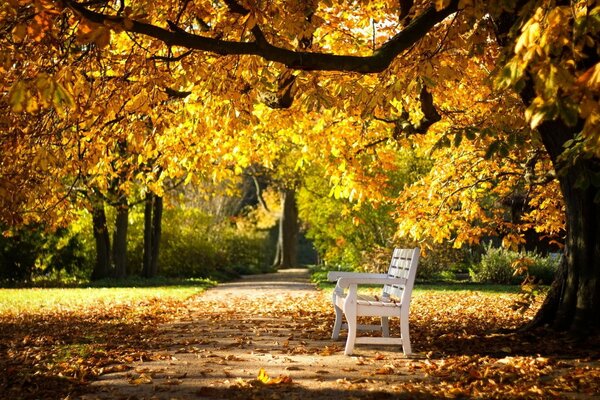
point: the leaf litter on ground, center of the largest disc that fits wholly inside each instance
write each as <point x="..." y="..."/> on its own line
<point x="463" y="342"/>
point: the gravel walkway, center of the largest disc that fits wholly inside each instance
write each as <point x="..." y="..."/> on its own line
<point x="278" y="322"/>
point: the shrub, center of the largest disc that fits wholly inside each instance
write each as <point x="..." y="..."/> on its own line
<point x="440" y="262"/>
<point x="544" y="268"/>
<point x="194" y="245"/>
<point x="498" y="266"/>
<point x="34" y="254"/>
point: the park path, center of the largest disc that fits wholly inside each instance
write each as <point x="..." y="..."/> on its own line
<point x="278" y="322"/>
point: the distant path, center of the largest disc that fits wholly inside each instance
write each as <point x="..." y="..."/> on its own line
<point x="277" y="321"/>
<point x="283" y="280"/>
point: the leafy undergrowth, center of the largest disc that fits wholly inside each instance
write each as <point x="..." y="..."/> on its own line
<point x="461" y="352"/>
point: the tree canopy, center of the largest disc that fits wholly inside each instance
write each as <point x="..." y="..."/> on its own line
<point x="502" y="94"/>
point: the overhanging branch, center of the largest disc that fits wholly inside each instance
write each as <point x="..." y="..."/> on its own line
<point x="294" y="59"/>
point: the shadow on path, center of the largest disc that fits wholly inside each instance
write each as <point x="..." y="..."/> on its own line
<point x="279" y="322"/>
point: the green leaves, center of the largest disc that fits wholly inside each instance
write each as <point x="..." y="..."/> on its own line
<point x="42" y="92"/>
<point x="17" y="97"/>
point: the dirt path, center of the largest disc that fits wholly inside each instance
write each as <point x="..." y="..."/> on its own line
<point x="278" y="322"/>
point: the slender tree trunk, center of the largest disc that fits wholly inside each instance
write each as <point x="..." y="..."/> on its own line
<point x="120" y="240"/>
<point x="147" y="235"/>
<point x="574" y="301"/>
<point x="286" y="254"/>
<point x="156" y="234"/>
<point x="102" y="239"/>
<point x="153" y="209"/>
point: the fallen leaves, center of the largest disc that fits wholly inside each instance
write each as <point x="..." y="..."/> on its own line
<point x="460" y="351"/>
<point x="267" y="380"/>
<point x="140" y="380"/>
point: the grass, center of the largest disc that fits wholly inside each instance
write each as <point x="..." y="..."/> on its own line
<point x="109" y="293"/>
<point x="41" y="300"/>
<point x="320" y="278"/>
<point x="466" y="287"/>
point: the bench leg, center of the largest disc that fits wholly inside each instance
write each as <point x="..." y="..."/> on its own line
<point x="337" y="326"/>
<point x="405" y="335"/>
<point x="338" y="318"/>
<point x="351" y="318"/>
<point x="385" y="327"/>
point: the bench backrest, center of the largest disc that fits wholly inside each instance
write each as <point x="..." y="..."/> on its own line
<point x="403" y="265"/>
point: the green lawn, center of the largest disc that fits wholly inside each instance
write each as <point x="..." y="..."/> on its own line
<point x="320" y="278"/>
<point x="38" y="300"/>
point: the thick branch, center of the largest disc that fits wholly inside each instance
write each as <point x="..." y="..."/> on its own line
<point x="176" y="94"/>
<point x="302" y="60"/>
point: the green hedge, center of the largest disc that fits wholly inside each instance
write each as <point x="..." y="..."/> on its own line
<point x="497" y="266"/>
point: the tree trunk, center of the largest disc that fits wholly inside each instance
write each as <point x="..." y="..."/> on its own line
<point x="147" y="236"/>
<point x="574" y="301"/>
<point x="156" y="233"/>
<point x="120" y="240"/>
<point x="153" y="209"/>
<point x="286" y="254"/>
<point x="102" y="239"/>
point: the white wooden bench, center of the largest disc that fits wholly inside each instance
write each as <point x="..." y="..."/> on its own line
<point x="394" y="301"/>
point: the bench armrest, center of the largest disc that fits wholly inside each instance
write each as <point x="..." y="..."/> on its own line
<point x="333" y="276"/>
<point x="345" y="282"/>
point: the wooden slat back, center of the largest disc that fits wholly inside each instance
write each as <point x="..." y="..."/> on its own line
<point x="403" y="265"/>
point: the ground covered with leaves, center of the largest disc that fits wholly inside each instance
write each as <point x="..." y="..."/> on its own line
<point x="269" y="338"/>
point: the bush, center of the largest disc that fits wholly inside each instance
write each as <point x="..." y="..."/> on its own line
<point x="34" y="254"/>
<point x="441" y="261"/>
<point x="544" y="268"/>
<point x="194" y="245"/>
<point x="498" y="266"/>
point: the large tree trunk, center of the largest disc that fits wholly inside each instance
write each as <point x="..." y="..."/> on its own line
<point x="153" y="209"/>
<point x="574" y="301"/>
<point x="102" y="239"/>
<point x="120" y="240"/>
<point x="286" y="254"/>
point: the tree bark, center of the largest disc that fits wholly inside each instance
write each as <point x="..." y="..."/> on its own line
<point x="286" y="254"/>
<point x="120" y="240"/>
<point x="260" y="46"/>
<point x="153" y="209"/>
<point x="573" y="303"/>
<point x="156" y="233"/>
<point x="146" y="270"/>
<point x="102" y="240"/>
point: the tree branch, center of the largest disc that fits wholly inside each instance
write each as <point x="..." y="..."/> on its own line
<point x="171" y="59"/>
<point x="176" y="94"/>
<point x="301" y="60"/>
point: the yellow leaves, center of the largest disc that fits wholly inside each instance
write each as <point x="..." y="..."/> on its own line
<point x="529" y="36"/>
<point x="89" y="32"/>
<point x="249" y="21"/>
<point x="41" y="92"/>
<point x="267" y="380"/>
<point x="441" y="4"/>
<point x="17" y="96"/>
<point x="140" y="103"/>
<point x="19" y="32"/>
<point x="62" y="99"/>
<point x="590" y="78"/>
<point x="536" y="112"/>
<point x="513" y="241"/>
